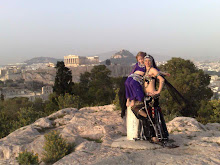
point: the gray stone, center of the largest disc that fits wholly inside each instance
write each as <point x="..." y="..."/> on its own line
<point x="98" y="133"/>
<point x="43" y="123"/>
<point x="63" y="112"/>
<point x="132" y="144"/>
<point x="17" y="142"/>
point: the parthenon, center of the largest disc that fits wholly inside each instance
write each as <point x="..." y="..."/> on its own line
<point x="74" y="60"/>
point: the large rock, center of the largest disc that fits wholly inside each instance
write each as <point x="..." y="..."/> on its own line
<point x="184" y="124"/>
<point x="99" y="135"/>
<point x="43" y="123"/>
<point x="17" y="142"/>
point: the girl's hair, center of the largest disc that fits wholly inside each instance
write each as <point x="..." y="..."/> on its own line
<point x="141" y="54"/>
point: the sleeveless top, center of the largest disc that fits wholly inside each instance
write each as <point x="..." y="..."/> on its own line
<point x="139" y="67"/>
<point x="149" y="78"/>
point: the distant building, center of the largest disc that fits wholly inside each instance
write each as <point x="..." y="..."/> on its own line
<point x="47" y="90"/>
<point x="11" y="92"/>
<point x="10" y="72"/>
<point x="51" y="65"/>
<point x="74" y="60"/>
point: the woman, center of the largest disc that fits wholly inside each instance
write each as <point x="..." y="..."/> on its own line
<point x="149" y="111"/>
<point x="152" y="110"/>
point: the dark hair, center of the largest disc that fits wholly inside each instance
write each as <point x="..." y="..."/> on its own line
<point x="153" y="61"/>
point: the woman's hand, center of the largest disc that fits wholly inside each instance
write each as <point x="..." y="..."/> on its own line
<point x="155" y="93"/>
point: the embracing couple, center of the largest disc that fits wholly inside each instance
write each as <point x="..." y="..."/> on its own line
<point x="143" y="98"/>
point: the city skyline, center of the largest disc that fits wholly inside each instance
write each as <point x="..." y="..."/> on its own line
<point x="55" y="29"/>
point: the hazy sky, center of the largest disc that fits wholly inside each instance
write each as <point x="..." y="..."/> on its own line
<point x="55" y="28"/>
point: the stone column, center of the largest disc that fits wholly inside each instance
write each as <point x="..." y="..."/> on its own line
<point x="132" y="125"/>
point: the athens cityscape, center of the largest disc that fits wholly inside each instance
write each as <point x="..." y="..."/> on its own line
<point x="44" y="72"/>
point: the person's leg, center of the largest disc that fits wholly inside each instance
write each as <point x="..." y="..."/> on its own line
<point x="128" y="92"/>
<point x="142" y="113"/>
<point x="132" y="103"/>
<point x="128" y="102"/>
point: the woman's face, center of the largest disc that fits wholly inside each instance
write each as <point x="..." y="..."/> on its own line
<point x="147" y="62"/>
<point x="140" y="59"/>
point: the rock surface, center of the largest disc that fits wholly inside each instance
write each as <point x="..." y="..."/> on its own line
<point x="99" y="134"/>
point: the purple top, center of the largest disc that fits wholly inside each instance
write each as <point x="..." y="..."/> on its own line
<point x="138" y="67"/>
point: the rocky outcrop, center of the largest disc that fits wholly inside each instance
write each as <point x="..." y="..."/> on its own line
<point x="122" y="54"/>
<point x="123" y="57"/>
<point x="99" y="134"/>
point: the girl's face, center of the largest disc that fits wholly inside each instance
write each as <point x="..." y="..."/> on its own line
<point x="147" y="62"/>
<point x="140" y="59"/>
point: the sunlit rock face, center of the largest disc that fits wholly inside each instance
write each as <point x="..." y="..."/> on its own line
<point x="99" y="134"/>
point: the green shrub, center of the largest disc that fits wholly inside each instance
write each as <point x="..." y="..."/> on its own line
<point x="209" y="112"/>
<point x="55" y="147"/>
<point x="68" y="101"/>
<point x="27" y="158"/>
<point x="116" y="101"/>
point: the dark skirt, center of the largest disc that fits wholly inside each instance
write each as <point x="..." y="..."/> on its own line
<point x="154" y="124"/>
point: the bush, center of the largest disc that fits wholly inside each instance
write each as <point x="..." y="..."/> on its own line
<point x="27" y="158"/>
<point x="68" y="101"/>
<point x="26" y="116"/>
<point x="116" y="101"/>
<point x="209" y="112"/>
<point x="55" y="147"/>
<point x="191" y="82"/>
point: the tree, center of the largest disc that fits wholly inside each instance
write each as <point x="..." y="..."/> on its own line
<point x="1" y="83"/>
<point x="108" y="62"/>
<point x="190" y="81"/>
<point x="96" y="87"/>
<point x="5" y="125"/>
<point x="209" y="112"/>
<point x="2" y="97"/>
<point x="63" y="80"/>
<point x="51" y="104"/>
<point x="26" y="116"/>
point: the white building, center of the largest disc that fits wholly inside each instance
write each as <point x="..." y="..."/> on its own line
<point x="74" y="60"/>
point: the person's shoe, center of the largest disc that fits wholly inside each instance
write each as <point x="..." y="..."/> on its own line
<point x="155" y="139"/>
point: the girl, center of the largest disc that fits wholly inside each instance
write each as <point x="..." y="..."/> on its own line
<point x="134" y="83"/>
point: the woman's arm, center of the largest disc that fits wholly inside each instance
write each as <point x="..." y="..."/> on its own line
<point x="164" y="73"/>
<point x="156" y="74"/>
<point x="161" y="83"/>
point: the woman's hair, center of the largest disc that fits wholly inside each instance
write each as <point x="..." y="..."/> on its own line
<point x="141" y="54"/>
<point x="152" y="61"/>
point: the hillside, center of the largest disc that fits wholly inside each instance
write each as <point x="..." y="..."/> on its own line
<point x="96" y="131"/>
<point x="42" y="60"/>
